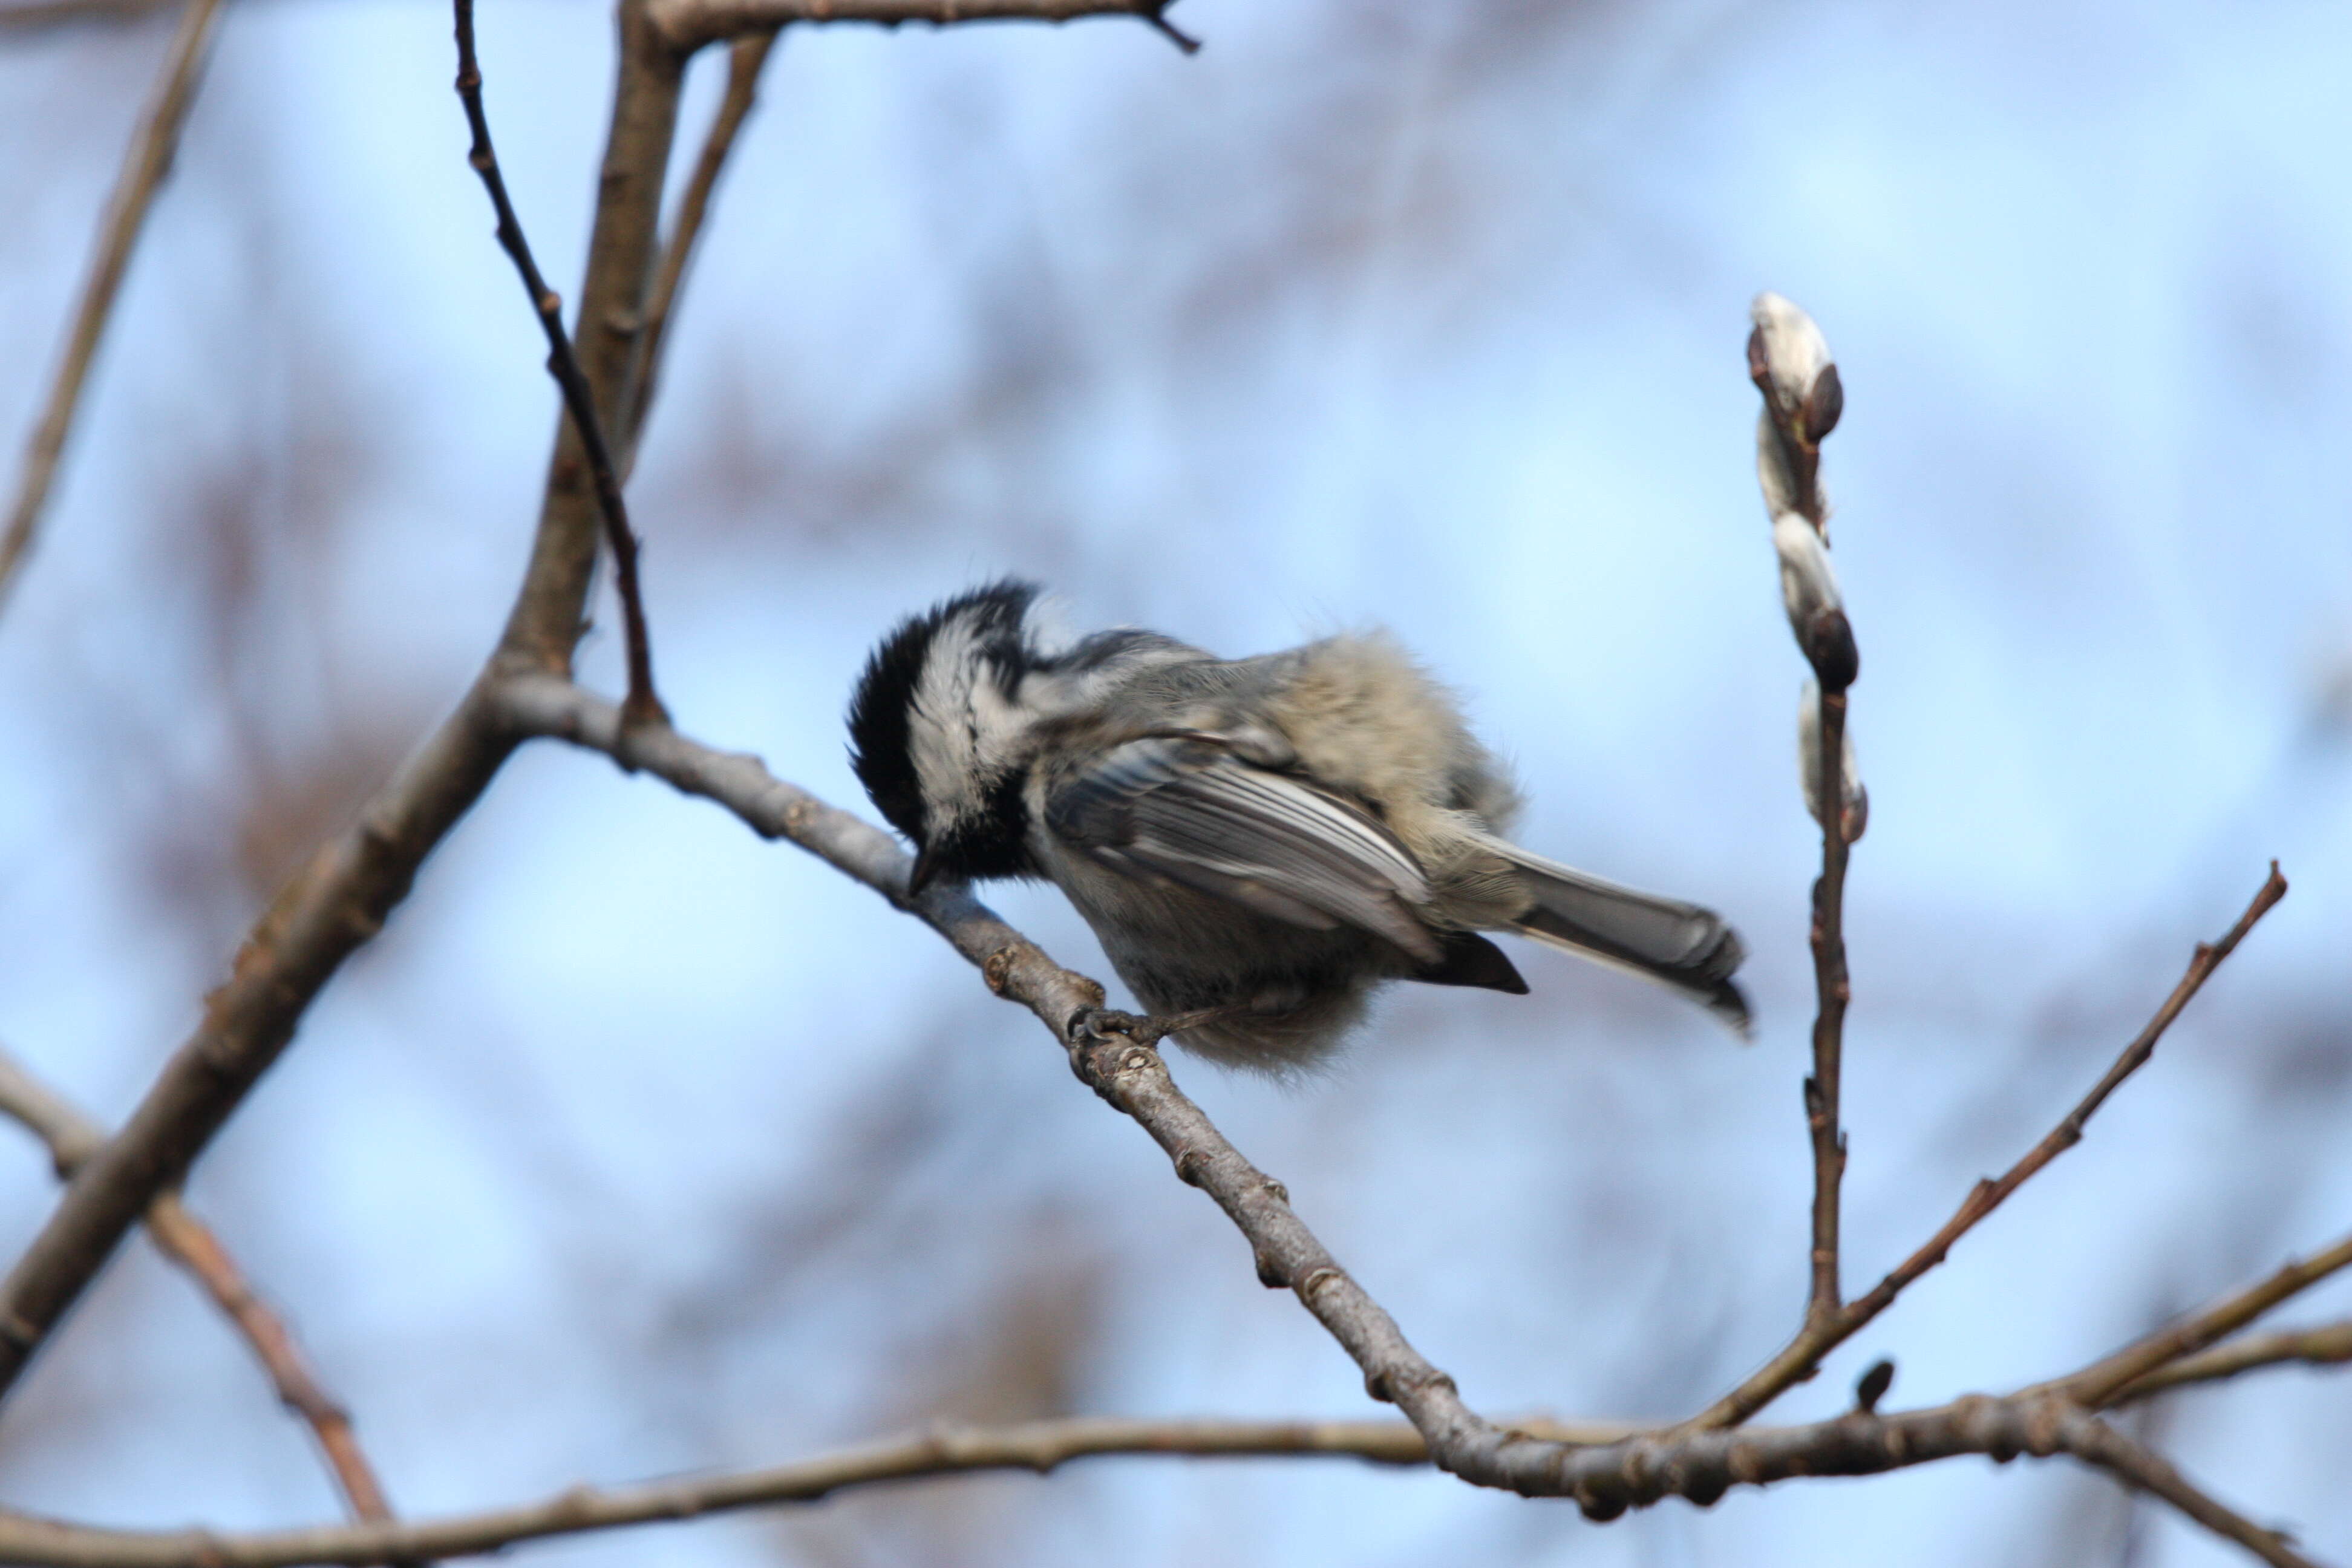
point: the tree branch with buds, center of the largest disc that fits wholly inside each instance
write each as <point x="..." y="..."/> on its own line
<point x="1790" y="361"/>
<point x="605" y="368"/>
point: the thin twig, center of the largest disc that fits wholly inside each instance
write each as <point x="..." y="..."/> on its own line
<point x="1831" y="991"/>
<point x="1989" y="1195"/>
<point x="144" y="168"/>
<point x="2327" y="1345"/>
<point x="1851" y="1445"/>
<point x="1818" y="1338"/>
<point x="643" y="705"/>
<point x="1789" y="361"/>
<point x="72" y="1138"/>
<point x="1692" y="1462"/>
<point x="745" y="60"/>
<point x="690" y="24"/>
<point x="2108" y="1380"/>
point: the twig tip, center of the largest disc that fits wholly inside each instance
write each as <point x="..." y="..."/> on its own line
<point x="1174" y="35"/>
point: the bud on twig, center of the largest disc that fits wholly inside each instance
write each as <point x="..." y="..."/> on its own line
<point x="1816" y="610"/>
<point x="1872" y="1386"/>
<point x="1854" y="799"/>
<point x="1790" y="361"/>
<point x="1786" y="356"/>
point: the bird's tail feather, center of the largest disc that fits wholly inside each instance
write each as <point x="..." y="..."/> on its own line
<point x="1664" y="940"/>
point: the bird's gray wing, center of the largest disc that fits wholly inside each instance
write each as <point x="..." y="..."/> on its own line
<point x="1188" y="809"/>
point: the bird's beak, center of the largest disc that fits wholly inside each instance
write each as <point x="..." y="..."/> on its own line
<point x="926" y="867"/>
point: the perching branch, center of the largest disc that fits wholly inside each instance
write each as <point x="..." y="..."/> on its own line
<point x="72" y="1138"/>
<point x="643" y="706"/>
<point x="144" y="168"/>
<point x="688" y="25"/>
<point x="1695" y="1461"/>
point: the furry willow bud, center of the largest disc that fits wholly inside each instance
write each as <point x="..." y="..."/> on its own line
<point x="1790" y="361"/>
<point x="1816" y="610"/>
<point x="1854" y="800"/>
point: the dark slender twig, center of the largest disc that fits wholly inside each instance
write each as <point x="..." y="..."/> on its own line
<point x="72" y="1138"/>
<point x="1693" y="1462"/>
<point x="690" y="24"/>
<point x="746" y="58"/>
<point x="1831" y="991"/>
<point x="144" y="169"/>
<point x="1167" y="29"/>
<point x="643" y="705"/>
<point x="1818" y="1338"/>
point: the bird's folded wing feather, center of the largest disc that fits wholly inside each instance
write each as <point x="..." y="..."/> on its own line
<point x="1188" y="810"/>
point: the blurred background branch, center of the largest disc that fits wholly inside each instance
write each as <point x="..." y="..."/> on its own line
<point x="746" y="58"/>
<point x="37" y="15"/>
<point x="144" y="168"/>
<point x="72" y="1138"/>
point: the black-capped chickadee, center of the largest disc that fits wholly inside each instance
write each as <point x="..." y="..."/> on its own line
<point x="1258" y="843"/>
